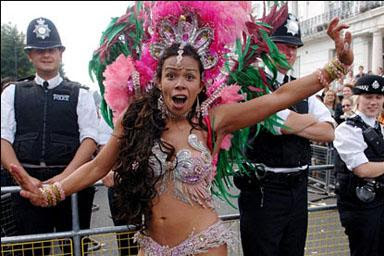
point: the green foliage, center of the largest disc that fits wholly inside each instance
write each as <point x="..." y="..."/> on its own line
<point x="14" y="61"/>
<point x="61" y="70"/>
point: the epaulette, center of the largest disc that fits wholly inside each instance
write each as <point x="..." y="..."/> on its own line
<point x="356" y="121"/>
<point x="24" y="79"/>
<point x="76" y="83"/>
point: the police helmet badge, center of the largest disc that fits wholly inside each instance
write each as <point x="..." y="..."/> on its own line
<point x="42" y="34"/>
<point x="375" y="85"/>
<point x="41" y="30"/>
<point x="292" y="25"/>
<point x="369" y="84"/>
<point x="288" y="32"/>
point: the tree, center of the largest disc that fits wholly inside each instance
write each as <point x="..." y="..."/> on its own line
<point x="14" y="61"/>
<point x="61" y="70"/>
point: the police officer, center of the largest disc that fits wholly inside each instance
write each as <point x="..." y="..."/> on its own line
<point x="360" y="170"/>
<point x="273" y="202"/>
<point x="49" y="127"/>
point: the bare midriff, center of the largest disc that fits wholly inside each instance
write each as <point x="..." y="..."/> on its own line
<point x="173" y="220"/>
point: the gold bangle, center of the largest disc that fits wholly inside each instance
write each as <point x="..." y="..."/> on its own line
<point x="45" y="197"/>
<point x="340" y="66"/>
<point x="48" y="196"/>
<point x="321" y="78"/>
<point x="331" y="72"/>
<point x="56" y="193"/>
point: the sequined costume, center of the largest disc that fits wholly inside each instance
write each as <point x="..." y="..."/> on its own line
<point x="213" y="236"/>
<point x="191" y="174"/>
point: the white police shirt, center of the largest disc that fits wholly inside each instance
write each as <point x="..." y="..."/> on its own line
<point x="105" y="131"/>
<point x="349" y="142"/>
<point x="86" y="111"/>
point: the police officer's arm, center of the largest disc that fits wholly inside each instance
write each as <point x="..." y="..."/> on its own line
<point x="320" y="131"/>
<point x="350" y="145"/>
<point x="8" y="156"/>
<point x="293" y="122"/>
<point x="369" y="170"/>
<point x="8" y="129"/>
<point x="83" y="154"/>
<point x="82" y="177"/>
<point x="108" y="179"/>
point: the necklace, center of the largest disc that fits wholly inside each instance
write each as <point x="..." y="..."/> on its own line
<point x="175" y="117"/>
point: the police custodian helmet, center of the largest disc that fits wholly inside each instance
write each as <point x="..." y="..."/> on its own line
<point x="289" y="32"/>
<point x="369" y="84"/>
<point x="42" y="34"/>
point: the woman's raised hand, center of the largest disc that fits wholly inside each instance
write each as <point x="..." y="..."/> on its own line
<point x="343" y="45"/>
<point x="30" y="186"/>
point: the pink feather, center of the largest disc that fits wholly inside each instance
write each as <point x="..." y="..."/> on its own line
<point x="230" y="94"/>
<point x="117" y="92"/>
<point x="226" y="142"/>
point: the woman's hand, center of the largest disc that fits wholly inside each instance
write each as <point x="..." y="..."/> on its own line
<point x="30" y="186"/>
<point x="342" y="45"/>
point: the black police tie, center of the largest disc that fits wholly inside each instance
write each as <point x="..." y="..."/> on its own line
<point x="45" y="85"/>
<point x="286" y="79"/>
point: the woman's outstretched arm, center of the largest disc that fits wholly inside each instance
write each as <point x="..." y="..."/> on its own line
<point x="231" y="117"/>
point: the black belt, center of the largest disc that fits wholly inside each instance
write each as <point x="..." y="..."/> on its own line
<point x="252" y="181"/>
<point x="284" y="176"/>
<point x="42" y="165"/>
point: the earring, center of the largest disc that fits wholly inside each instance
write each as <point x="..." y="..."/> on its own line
<point x="161" y="107"/>
<point x="198" y="109"/>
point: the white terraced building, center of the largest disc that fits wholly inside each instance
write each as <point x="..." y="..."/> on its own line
<point x="366" y="20"/>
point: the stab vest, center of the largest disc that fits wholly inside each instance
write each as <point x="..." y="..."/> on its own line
<point x="282" y="150"/>
<point x="346" y="180"/>
<point x="47" y="123"/>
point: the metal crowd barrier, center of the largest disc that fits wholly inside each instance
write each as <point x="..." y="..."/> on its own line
<point x="320" y="179"/>
<point x="325" y="236"/>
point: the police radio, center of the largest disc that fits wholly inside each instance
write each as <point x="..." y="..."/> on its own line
<point x="367" y="192"/>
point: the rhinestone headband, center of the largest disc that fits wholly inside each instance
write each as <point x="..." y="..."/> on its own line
<point x="186" y="31"/>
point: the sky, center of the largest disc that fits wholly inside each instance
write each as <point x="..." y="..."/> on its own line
<point x="80" y="25"/>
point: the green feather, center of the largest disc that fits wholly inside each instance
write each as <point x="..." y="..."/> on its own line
<point x="234" y="161"/>
<point x="132" y="31"/>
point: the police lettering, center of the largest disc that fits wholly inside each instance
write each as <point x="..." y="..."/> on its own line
<point x="60" y="97"/>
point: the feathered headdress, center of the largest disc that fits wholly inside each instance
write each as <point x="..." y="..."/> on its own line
<point x="134" y="42"/>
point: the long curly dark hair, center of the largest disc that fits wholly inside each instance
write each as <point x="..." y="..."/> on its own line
<point x="135" y="178"/>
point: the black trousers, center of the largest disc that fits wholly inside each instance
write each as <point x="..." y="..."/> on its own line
<point x="37" y="220"/>
<point x="124" y="241"/>
<point x="364" y="228"/>
<point x="273" y="222"/>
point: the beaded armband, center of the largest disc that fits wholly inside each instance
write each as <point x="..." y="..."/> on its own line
<point x="52" y="193"/>
<point x="321" y="78"/>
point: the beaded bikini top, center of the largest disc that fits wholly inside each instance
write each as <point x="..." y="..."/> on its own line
<point x="189" y="175"/>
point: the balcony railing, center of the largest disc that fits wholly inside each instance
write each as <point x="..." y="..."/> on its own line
<point x="349" y="9"/>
